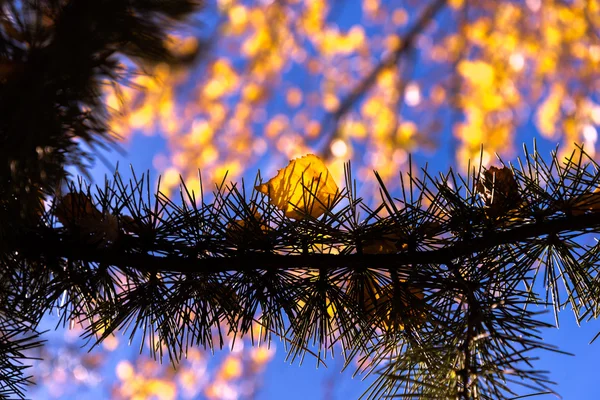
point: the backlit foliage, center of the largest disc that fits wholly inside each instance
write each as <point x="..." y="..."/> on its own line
<point x="114" y="371"/>
<point x="305" y="187"/>
<point x="371" y="81"/>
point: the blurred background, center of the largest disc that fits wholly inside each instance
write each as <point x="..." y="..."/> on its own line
<point x="369" y="81"/>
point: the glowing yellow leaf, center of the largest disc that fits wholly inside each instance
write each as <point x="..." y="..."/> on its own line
<point x="261" y="355"/>
<point x="161" y="389"/>
<point x="548" y="113"/>
<point x="181" y="46"/>
<point x="456" y="4"/>
<point x="406" y="131"/>
<point x="252" y="92"/>
<point x="142" y="117"/>
<point x="304" y="187"/>
<point x="330" y="102"/>
<point x="238" y="18"/>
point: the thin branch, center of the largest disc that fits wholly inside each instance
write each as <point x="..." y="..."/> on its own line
<point x="392" y="59"/>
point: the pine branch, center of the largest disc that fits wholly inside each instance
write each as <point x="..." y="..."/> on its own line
<point x="184" y="259"/>
<point x="431" y="287"/>
<point x="431" y="291"/>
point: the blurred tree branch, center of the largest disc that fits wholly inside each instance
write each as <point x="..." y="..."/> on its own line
<point x="392" y="59"/>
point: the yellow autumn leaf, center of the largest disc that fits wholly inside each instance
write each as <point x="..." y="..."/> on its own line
<point x="232" y="368"/>
<point x="478" y="73"/>
<point x="304" y="187"/>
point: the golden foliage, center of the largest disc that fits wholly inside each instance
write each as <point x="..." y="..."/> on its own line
<point x="304" y="187"/>
<point x="282" y="67"/>
<point x="232" y="368"/>
<point x="144" y="378"/>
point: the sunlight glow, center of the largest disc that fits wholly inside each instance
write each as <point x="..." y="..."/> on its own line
<point x="339" y="148"/>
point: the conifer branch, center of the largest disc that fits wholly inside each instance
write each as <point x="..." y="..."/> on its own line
<point x="181" y="258"/>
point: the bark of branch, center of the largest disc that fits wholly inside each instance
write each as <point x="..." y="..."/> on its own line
<point x="51" y="245"/>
